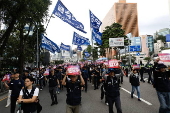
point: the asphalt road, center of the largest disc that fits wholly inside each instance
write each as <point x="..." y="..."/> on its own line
<point x="91" y="102"/>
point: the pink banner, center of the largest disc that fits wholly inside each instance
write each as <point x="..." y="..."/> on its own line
<point x="6" y="78"/>
<point x="114" y="63"/>
<point x="46" y="72"/>
<point x="165" y="57"/>
<point x="136" y="66"/>
<point x="73" y="70"/>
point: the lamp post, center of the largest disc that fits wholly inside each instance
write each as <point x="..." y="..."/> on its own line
<point x="37" y="61"/>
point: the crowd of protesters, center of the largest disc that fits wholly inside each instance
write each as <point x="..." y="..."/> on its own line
<point x="98" y="75"/>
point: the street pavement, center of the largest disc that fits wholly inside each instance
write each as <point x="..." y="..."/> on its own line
<point x="91" y="102"/>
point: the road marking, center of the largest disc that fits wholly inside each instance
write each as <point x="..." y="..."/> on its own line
<point x="3" y="98"/>
<point x="145" y="79"/>
<point x="137" y="97"/>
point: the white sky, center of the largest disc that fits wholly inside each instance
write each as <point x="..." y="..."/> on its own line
<point x="152" y="16"/>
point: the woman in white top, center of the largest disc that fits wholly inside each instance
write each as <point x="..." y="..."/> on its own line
<point x="28" y="96"/>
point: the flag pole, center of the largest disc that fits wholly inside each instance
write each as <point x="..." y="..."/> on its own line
<point x="48" y="21"/>
<point x="92" y="44"/>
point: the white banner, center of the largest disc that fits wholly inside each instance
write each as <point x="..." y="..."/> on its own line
<point x="115" y="42"/>
<point x="65" y="53"/>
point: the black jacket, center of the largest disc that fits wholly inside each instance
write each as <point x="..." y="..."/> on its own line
<point x="161" y="81"/>
<point x="73" y="93"/>
<point x="134" y="80"/>
<point x="112" y="87"/>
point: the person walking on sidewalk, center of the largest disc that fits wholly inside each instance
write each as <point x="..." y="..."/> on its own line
<point x="134" y="80"/>
<point x="73" y="92"/>
<point x="9" y="94"/>
<point x="15" y="85"/>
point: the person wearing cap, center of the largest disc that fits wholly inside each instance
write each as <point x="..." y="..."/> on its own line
<point x="112" y="91"/>
<point x="134" y="80"/>
<point x="73" y="92"/>
<point x="85" y="76"/>
<point x="15" y="85"/>
<point x="141" y="71"/>
<point x="162" y="86"/>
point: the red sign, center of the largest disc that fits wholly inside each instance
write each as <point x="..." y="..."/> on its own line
<point x="6" y="78"/>
<point x="73" y="70"/>
<point x="165" y="57"/>
<point x="136" y="66"/>
<point x="114" y="63"/>
<point x="46" y="72"/>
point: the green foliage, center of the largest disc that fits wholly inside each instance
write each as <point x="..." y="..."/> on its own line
<point x="147" y="59"/>
<point x="162" y="38"/>
<point x="59" y="62"/>
<point x="113" y="31"/>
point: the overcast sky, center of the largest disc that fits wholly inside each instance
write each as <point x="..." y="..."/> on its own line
<point x="152" y="16"/>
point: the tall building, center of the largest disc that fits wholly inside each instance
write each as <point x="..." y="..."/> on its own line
<point x="124" y="14"/>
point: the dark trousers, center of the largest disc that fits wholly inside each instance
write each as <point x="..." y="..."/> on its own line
<point x="96" y="83"/>
<point x="103" y="94"/>
<point x="85" y="85"/>
<point x="117" y="102"/>
<point x="41" y="83"/>
<point x="141" y="76"/>
<point x="150" y="78"/>
<point x="13" y="103"/>
<point x="53" y="94"/>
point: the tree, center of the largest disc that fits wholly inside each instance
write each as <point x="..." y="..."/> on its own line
<point x="113" y="31"/>
<point x="162" y="38"/>
<point x="19" y="14"/>
<point x="147" y="59"/>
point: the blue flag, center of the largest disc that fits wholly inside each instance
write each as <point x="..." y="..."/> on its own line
<point x="64" y="14"/>
<point x="87" y="54"/>
<point x="79" y="47"/>
<point x="64" y="47"/>
<point x="97" y="37"/>
<point x="49" y="45"/>
<point x="80" y="40"/>
<point x="94" y="22"/>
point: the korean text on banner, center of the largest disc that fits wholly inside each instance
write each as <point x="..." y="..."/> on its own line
<point x="73" y="70"/>
<point x="114" y="63"/>
<point x="115" y="42"/>
<point x="165" y="57"/>
<point x="136" y="66"/>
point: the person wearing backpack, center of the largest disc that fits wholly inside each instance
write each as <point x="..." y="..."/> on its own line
<point x="15" y="86"/>
<point x="28" y="96"/>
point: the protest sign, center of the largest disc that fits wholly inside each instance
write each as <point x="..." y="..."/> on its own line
<point x="73" y="70"/>
<point x="114" y="63"/>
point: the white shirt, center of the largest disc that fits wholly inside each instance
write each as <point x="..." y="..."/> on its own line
<point x="36" y="92"/>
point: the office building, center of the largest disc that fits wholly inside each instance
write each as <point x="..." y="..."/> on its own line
<point x="124" y="14"/>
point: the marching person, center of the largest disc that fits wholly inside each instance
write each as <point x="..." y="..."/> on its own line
<point x="134" y="80"/>
<point x="28" y="96"/>
<point x="9" y="94"/>
<point x="162" y="86"/>
<point x="53" y="84"/>
<point x="73" y="92"/>
<point x="85" y="76"/>
<point x="15" y="85"/>
<point x="141" y="71"/>
<point x="112" y="91"/>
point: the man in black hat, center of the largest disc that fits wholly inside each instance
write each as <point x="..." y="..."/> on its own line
<point x="112" y="91"/>
<point x="162" y="86"/>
